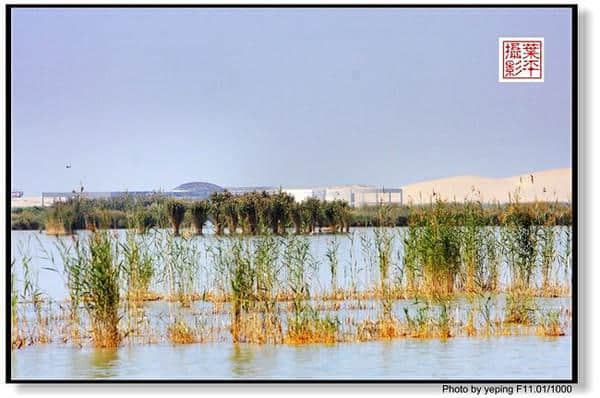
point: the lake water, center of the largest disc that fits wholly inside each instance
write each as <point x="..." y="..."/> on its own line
<point x="520" y="357"/>
<point x="510" y="357"/>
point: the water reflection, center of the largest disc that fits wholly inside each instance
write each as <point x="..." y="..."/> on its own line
<point x="103" y="362"/>
<point x="241" y="360"/>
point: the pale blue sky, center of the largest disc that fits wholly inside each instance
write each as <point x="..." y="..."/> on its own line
<point x="151" y="98"/>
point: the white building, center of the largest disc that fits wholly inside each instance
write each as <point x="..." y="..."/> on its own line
<point x="356" y="195"/>
<point x="299" y="194"/>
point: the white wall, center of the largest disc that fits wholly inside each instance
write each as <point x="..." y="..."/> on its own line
<point x="299" y="194"/>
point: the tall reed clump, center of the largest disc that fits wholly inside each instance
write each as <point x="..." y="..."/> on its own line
<point x="266" y="254"/>
<point x="101" y="290"/>
<point x="34" y="295"/>
<point x="566" y="253"/>
<point x="143" y="220"/>
<point x="217" y="213"/>
<point x="138" y="267"/>
<point x="305" y="324"/>
<point x="92" y="276"/>
<point x="176" y="212"/>
<point x="16" y="334"/>
<point x="410" y="259"/>
<point x="519" y="237"/>
<point x="437" y="249"/>
<point x="180" y="268"/>
<point x="313" y="213"/>
<point x="253" y="276"/>
<point x="230" y="208"/>
<point x="492" y="257"/>
<point x="242" y="280"/>
<point x="386" y="326"/>
<point x="548" y="255"/>
<point x="384" y="241"/>
<point x="60" y="219"/>
<point x="332" y="258"/>
<point x="473" y="241"/>
<point x="249" y="210"/>
<point x="199" y="210"/>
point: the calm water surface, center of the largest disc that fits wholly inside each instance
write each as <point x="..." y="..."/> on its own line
<point x="522" y="357"/>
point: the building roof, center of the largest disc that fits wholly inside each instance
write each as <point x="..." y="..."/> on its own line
<point x="198" y="187"/>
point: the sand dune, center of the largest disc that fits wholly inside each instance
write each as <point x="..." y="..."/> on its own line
<point x="549" y="185"/>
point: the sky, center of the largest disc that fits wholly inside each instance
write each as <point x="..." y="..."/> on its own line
<point x="144" y="99"/>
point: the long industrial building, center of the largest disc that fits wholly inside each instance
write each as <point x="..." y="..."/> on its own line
<point x="355" y="195"/>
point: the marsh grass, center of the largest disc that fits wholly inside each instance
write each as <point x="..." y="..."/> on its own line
<point x="180" y="333"/>
<point x="179" y="257"/>
<point x="138" y="267"/>
<point x="520" y="307"/>
<point x="333" y="246"/>
<point x="445" y="255"/>
<point x="383" y="246"/>
<point x="549" y="323"/>
<point x="59" y="220"/>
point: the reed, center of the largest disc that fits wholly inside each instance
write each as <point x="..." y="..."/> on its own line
<point x="549" y="324"/>
<point x="519" y="237"/>
<point x="92" y="276"/>
<point x="59" y="220"/>
<point x="384" y="241"/>
<point x="230" y="209"/>
<point x="180" y="268"/>
<point x="176" y="212"/>
<point x="199" y="211"/>
<point x="446" y="254"/>
<point x="18" y="336"/>
<point x="520" y="307"/>
<point x="305" y="324"/>
<point x="143" y="220"/>
<point x="438" y="244"/>
<point x="473" y="241"/>
<point x="138" y="267"/>
<point x="180" y="333"/>
<point x="333" y="246"/>
<point x="217" y="213"/>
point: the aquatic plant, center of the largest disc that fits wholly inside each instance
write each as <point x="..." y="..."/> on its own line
<point x="332" y="258"/>
<point x="383" y="245"/>
<point x="249" y="209"/>
<point x="199" y="210"/>
<point x="520" y="307"/>
<point x="143" y="220"/>
<point x="180" y="268"/>
<point x="549" y="323"/>
<point x="93" y="280"/>
<point x="313" y="210"/>
<point x="180" y="333"/>
<point x="519" y="237"/>
<point x="176" y="212"/>
<point x="217" y="210"/>
<point x="59" y="220"/>
<point x="230" y="210"/>
<point x="138" y="267"/>
<point x="437" y="245"/>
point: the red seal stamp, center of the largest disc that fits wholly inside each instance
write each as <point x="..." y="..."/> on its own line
<point x="521" y="59"/>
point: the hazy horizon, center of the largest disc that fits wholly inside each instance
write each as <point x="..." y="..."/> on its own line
<point x="144" y="99"/>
